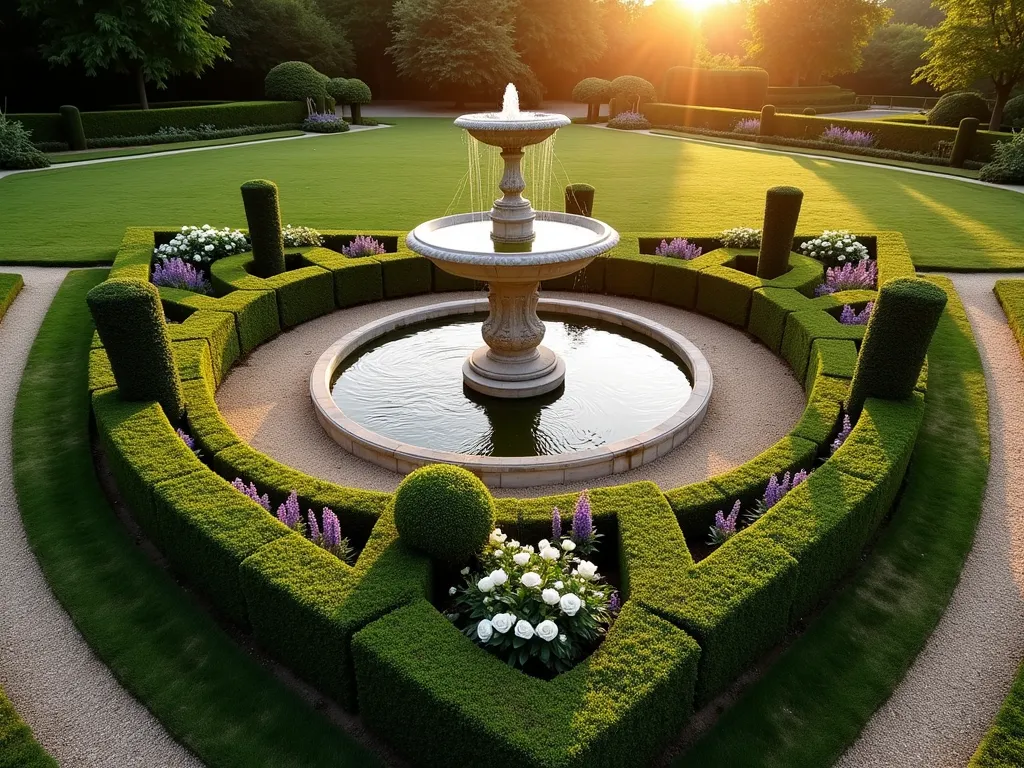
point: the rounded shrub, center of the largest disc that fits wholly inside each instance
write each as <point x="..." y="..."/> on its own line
<point x="810" y="111"/>
<point x="632" y="92"/>
<point x="767" y="125"/>
<point x="445" y="512"/>
<point x="130" y="321"/>
<point x="295" y="81"/>
<point x="355" y="94"/>
<point x="336" y="89"/>
<point x="263" y="214"/>
<point x="74" y="132"/>
<point x="954" y="107"/>
<point x="1013" y="112"/>
<point x="902" y="322"/>
<point x="964" y="141"/>
<point x="579" y="199"/>
<point x="592" y="91"/>
<point x="781" y="213"/>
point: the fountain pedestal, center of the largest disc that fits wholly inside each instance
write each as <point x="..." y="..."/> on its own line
<point x="512" y="248"/>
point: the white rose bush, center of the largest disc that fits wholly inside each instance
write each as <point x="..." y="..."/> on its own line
<point x="741" y="237"/>
<point x="201" y="246"/>
<point x="835" y="248"/>
<point x="537" y="607"/>
<point x="298" y="237"/>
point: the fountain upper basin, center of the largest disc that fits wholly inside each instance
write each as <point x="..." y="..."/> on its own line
<point x="512" y="131"/>
<point x="462" y="245"/>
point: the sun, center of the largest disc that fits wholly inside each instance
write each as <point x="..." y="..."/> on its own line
<point x="699" y="6"/>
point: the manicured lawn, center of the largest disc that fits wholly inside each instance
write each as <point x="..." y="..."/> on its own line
<point x="96" y="154"/>
<point x="164" y="649"/>
<point x="10" y="287"/>
<point x="814" y="700"/>
<point x="396" y="177"/>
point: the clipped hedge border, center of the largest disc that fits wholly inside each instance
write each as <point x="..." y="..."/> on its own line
<point x="18" y="747"/>
<point x="763" y="578"/>
<point x="10" y="286"/>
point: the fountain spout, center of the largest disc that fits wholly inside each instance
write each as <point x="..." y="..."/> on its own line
<point x="510" y="104"/>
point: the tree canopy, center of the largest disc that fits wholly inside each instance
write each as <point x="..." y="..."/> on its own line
<point x="153" y="38"/>
<point x="978" y="39"/>
<point x="805" y="40"/>
<point x="893" y="55"/>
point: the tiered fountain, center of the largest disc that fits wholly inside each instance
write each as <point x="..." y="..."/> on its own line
<point x="512" y="250"/>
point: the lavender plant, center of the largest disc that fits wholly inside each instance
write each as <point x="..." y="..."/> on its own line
<point x="252" y="493"/>
<point x="363" y="245"/>
<point x="324" y="123"/>
<point x="290" y="514"/>
<point x="849" y="315"/>
<point x="678" y="248"/>
<point x="630" y="120"/>
<point x="863" y="276"/>
<point x="774" y="493"/>
<point x="583" y="533"/>
<point x="556" y="524"/>
<point x="843" y="434"/>
<point x="725" y="526"/>
<point x="748" y="125"/>
<point x="835" y="134"/>
<point x="175" y="273"/>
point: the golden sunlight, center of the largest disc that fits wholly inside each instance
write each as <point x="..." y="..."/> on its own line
<point x="699" y="6"/>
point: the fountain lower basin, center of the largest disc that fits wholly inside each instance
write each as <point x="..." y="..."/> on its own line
<point x="620" y="454"/>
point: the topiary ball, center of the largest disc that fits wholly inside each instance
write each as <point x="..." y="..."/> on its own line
<point x="295" y="81"/>
<point x="336" y="89"/>
<point x="445" y="512"/>
<point x="592" y="90"/>
<point x="355" y="92"/>
<point x="954" y="107"/>
<point x="632" y="90"/>
<point x="1013" y="112"/>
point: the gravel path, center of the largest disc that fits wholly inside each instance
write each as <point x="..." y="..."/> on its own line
<point x="77" y="710"/>
<point x="756" y="399"/>
<point x="940" y="711"/>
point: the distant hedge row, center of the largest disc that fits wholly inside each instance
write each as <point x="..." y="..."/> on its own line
<point x="902" y="137"/>
<point x="48" y="127"/>
<point x="744" y="88"/>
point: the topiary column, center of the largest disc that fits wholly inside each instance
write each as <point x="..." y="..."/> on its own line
<point x="263" y="214"/>
<point x="781" y="212"/>
<point x="896" y="341"/>
<point x="964" y="141"/>
<point x="130" y="320"/>
<point x="73" y="128"/>
<point x="579" y="199"/>
<point x="767" y="124"/>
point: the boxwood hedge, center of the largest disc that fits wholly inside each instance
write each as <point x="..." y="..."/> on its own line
<point x="367" y="635"/>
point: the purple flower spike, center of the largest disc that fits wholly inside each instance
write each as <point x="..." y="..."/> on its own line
<point x="288" y="513"/>
<point x="314" y="529"/>
<point x="679" y="248"/>
<point x="239" y="486"/>
<point x="186" y="438"/>
<point x="582" y="520"/>
<point x="843" y="434"/>
<point x="773" y="493"/>
<point x="176" y="273"/>
<point x="614" y="603"/>
<point x="849" y="277"/>
<point x="799" y="477"/>
<point x="556" y="524"/>
<point x="332" y="529"/>
<point x="363" y="245"/>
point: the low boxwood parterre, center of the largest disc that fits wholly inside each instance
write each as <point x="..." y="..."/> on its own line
<point x="18" y="747"/>
<point x="687" y="629"/>
<point x="10" y="286"/>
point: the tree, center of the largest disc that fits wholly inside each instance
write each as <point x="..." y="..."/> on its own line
<point x="367" y="24"/>
<point x="977" y="39"/>
<point x="805" y="40"/>
<point x="914" y="12"/>
<point x="463" y="47"/>
<point x="152" y="38"/>
<point x="263" y="33"/>
<point x="558" y="36"/>
<point x="893" y="55"/>
<point x="646" y="38"/>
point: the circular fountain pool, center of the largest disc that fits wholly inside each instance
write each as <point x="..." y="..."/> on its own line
<point x="390" y="392"/>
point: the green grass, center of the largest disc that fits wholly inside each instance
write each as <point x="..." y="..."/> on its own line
<point x="811" y="704"/>
<point x="58" y="158"/>
<point x="208" y="693"/>
<point x="1003" y="745"/>
<point x="18" y="748"/>
<point x="397" y="177"/>
<point x="10" y="286"/>
<point x="962" y="172"/>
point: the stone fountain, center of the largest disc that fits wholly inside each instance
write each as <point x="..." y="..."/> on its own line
<point x="512" y="248"/>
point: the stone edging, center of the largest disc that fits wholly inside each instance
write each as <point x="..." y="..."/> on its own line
<point x="514" y="472"/>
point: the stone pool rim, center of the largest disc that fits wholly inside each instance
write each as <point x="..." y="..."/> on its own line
<point x="514" y="471"/>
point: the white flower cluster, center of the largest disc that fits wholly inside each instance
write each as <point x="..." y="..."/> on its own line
<point x="741" y="237"/>
<point x="541" y="594"/>
<point x="297" y="237"/>
<point x="203" y="245"/>
<point x="835" y="247"/>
